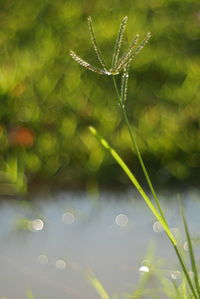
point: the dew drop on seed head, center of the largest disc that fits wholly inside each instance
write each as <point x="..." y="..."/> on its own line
<point x="107" y="73"/>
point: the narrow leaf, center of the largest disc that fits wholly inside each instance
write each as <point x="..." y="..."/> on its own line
<point x="183" y="289"/>
<point x="191" y="253"/>
<point x="119" y="42"/>
<point x="29" y="295"/>
<point x="87" y="65"/>
<point x="135" y="183"/>
<point x="178" y="295"/>
<point x="95" y="46"/>
<point x="99" y="287"/>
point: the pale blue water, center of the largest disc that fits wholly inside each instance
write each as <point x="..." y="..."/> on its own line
<point x="110" y="235"/>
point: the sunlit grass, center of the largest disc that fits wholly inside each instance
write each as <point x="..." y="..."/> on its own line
<point x="121" y="66"/>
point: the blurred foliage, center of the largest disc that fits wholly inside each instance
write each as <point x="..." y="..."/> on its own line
<point x="47" y="100"/>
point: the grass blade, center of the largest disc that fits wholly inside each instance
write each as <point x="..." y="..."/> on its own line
<point x="95" y="46"/>
<point x="183" y="289"/>
<point x="98" y="287"/>
<point x="119" y="42"/>
<point x="29" y="295"/>
<point x="135" y="183"/>
<point x="176" y="289"/>
<point x="191" y="253"/>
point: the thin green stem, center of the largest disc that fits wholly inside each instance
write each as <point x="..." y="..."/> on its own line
<point x="134" y="142"/>
<point x="185" y="272"/>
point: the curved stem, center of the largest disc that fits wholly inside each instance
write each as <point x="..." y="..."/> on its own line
<point x="134" y="142"/>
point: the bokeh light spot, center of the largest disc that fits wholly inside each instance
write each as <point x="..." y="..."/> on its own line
<point x="60" y="264"/>
<point x="43" y="259"/>
<point x="176" y="275"/>
<point x="121" y="220"/>
<point x="68" y="218"/>
<point x="157" y="227"/>
<point x="37" y="225"/>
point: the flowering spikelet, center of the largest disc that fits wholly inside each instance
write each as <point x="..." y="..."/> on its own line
<point x="94" y="43"/>
<point x="87" y="65"/>
<point x="132" y="52"/>
<point x="119" y="42"/>
<point x="124" y="83"/>
<point x="118" y="65"/>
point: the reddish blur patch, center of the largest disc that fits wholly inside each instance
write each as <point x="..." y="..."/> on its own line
<point x="21" y="136"/>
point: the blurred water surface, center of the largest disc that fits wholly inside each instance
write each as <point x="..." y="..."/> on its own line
<point x="50" y="246"/>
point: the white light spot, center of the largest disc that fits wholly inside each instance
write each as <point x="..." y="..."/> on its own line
<point x="157" y="227"/>
<point x="185" y="246"/>
<point x="176" y="275"/>
<point x="37" y="224"/>
<point x="60" y="264"/>
<point x="144" y="269"/>
<point x="68" y="218"/>
<point x="121" y="220"/>
<point x="43" y="259"/>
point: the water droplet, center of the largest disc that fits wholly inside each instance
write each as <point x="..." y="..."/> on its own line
<point x="36" y="225"/>
<point x="176" y="275"/>
<point x="121" y="220"/>
<point x="185" y="246"/>
<point x="60" y="264"/>
<point x="43" y="259"/>
<point x="68" y="218"/>
<point x="144" y="269"/>
<point x="157" y="227"/>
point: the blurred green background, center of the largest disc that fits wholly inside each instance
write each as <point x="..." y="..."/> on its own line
<point x="48" y="101"/>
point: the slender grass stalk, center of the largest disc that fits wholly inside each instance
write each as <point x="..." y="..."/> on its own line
<point x="186" y="272"/>
<point x="183" y="289"/>
<point x="98" y="287"/>
<point x="178" y="295"/>
<point x="191" y="253"/>
<point x="121" y="101"/>
<point x="122" y="65"/>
